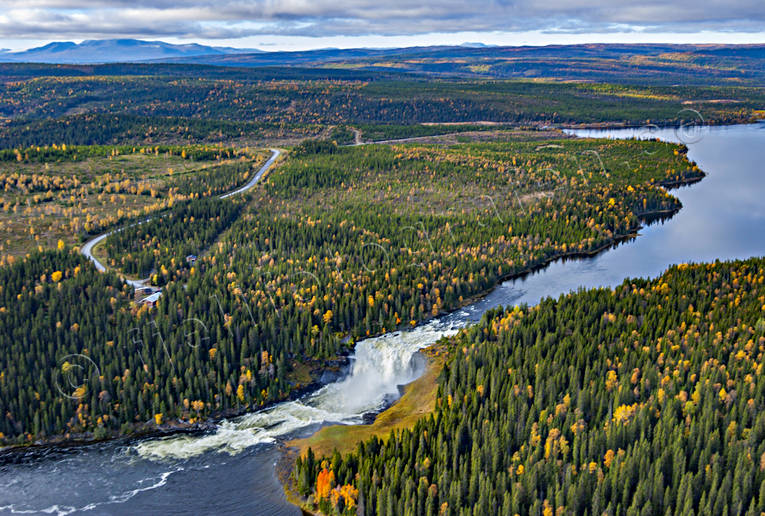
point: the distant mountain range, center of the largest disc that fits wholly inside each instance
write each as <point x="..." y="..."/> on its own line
<point x="114" y="51"/>
<point x="667" y="64"/>
<point x="135" y="50"/>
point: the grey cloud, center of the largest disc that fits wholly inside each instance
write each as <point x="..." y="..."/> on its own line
<point x="238" y="18"/>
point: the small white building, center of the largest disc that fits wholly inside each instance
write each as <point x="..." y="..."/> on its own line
<point x="152" y="299"/>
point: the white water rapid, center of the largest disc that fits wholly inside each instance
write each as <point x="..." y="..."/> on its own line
<point x="379" y="366"/>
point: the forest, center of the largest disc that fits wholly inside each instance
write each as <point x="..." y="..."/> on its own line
<point x="645" y="399"/>
<point x="337" y="243"/>
<point x="143" y="105"/>
<point x="163" y="243"/>
<point x="646" y="64"/>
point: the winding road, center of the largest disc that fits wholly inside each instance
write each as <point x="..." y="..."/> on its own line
<point x="87" y="248"/>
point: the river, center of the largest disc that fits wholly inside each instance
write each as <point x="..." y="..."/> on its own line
<point x="231" y="469"/>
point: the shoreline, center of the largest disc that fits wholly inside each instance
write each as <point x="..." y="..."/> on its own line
<point x="211" y="422"/>
<point x="291" y="449"/>
<point x="418" y="399"/>
<point x="541" y="126"/>
<point x="657" y="125"/>
<point x="145" y="431"/>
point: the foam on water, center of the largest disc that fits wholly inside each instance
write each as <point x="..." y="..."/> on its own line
<point x="378" y="367"/>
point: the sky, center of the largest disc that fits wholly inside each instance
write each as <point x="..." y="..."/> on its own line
<point x="306" y="24"/>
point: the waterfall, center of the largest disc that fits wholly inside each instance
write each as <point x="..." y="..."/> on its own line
<point x="379" y="366"/>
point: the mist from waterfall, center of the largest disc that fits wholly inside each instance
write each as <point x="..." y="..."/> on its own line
<point x="379" y="367"/>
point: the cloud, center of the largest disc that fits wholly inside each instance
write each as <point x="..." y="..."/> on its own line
<point x="231" y="19"/>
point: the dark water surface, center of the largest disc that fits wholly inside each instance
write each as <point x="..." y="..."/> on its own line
<point x="231" y="470"/>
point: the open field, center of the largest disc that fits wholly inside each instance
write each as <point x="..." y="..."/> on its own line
<point x="52" y="194"/>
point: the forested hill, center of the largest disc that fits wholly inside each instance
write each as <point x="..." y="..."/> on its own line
<point x="621" y="63"/>
<point x="160" y="104"/>
<point x="646" y="399"/>
<point x="253" y="98"/>
<point x="657" y="64"/>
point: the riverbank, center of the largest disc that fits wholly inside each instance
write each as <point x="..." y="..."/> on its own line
<point x="308" y="376"/>
<point x="660" y="124"/>
<point x="538" y="256"/>
<point x="487" y="129"/>
<point x="721" y="218"/>
<point x="417" y="401"/>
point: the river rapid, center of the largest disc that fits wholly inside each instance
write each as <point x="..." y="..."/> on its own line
<point x="231" y="468"/>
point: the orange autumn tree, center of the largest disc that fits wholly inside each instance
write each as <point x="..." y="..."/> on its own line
<point x="324" y="482"/>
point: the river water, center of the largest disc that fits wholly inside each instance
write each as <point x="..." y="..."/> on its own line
<point x="231" y="469"/>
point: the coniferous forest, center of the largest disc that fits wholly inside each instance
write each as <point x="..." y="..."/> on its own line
<point x="644" y="399"/>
